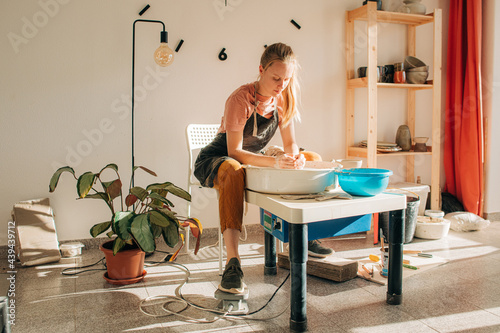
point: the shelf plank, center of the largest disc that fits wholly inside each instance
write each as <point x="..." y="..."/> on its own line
<point x="403" y="18"/>
<point x="363" y="83"/>
<point x="361" y="14"/>
<point x="363" y="152"/>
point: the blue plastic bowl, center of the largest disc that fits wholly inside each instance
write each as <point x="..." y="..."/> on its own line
<point x="365" y="182"/>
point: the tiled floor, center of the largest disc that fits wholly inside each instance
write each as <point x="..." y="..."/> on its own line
<point x="462" y="295"/>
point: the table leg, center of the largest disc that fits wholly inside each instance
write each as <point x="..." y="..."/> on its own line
<point x="298" y="271"/>
<point x="270" y="254"/>
<point x="396" y="237"/>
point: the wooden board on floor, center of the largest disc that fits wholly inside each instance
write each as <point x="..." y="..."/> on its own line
<point x="331" y="267"/>
<point x="420" y="263"/>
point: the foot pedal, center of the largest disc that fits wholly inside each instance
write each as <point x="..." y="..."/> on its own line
<point x="237" y="301"/>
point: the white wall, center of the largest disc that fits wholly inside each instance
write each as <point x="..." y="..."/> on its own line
<point x="66" y="85"/>
<point x="491" y="102"/>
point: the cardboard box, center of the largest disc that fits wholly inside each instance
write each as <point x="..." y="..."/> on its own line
<point x="331" y="267"/>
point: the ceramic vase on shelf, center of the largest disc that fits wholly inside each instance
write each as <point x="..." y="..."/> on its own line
<point x="403" y="137"/>
<point x="420" y="144"/>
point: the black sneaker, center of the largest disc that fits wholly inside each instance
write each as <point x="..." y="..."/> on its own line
<point x="316" y="250"/>
<point x="232" y="278"/>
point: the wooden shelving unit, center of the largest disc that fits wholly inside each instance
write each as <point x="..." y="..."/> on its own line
<point x="370" y="14"/>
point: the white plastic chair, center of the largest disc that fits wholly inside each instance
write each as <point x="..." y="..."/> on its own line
<point x="198" y="136"/>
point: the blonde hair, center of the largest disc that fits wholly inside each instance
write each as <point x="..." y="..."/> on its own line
<point x="283" y="53"/>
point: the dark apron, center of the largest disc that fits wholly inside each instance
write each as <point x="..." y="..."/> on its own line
<point x="215" y="153"/>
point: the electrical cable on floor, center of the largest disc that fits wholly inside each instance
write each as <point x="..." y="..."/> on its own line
<point x="180" y="298"/>
<point x="87" y="266"/>
<point x="223" y="314"/>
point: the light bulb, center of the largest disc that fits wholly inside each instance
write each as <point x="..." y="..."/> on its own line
<point x="164" y="55"/>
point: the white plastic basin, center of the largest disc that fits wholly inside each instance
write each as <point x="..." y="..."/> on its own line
<point x="71" y="249"/>
<point x="428" y="228"/>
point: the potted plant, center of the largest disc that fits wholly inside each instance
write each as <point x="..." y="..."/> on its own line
<point x="136" y="221"/>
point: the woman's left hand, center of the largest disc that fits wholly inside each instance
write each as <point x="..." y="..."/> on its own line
<point x="288" y="161"/>
<point x="300" y="161"/>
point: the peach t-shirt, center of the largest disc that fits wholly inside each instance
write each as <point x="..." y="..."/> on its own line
<point x="240" y="106"/>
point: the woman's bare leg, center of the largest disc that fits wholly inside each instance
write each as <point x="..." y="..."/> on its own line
<point x="232" y="239"/>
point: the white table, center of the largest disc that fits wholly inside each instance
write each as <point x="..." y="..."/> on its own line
<point x="299" y="213"/>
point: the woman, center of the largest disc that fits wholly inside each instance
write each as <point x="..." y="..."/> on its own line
<point x="252" y="115"/>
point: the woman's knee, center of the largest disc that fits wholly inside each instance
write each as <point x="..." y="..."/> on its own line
<point x="231" y="168"/>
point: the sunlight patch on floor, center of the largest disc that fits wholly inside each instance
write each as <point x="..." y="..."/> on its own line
<point x="447" y="323"/>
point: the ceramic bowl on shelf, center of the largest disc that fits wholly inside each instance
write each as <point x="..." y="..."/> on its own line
<point x="420" y="142"/>
<point x="417" y="77"/>
<point x="418" y="69"/>
<point x="412" y="62"/>
<point x="414" y="7"/>
<point x="421" y="139"/>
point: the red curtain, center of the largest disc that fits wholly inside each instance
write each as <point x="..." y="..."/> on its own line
<point x="463" y="143"/>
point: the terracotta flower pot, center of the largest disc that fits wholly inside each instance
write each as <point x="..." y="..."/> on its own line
<point x="128" y="264"/>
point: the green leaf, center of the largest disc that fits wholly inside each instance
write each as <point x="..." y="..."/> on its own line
<point x="84" y="184"/>
<point x="142" y="233"/>
<point x="118" y="244"/>
<point x="170" y="214"/>
<point x="145" y="169"/>
<point x="159" y="219"/>
<point x="171" y="235"/>
<point x="110" y="233"/>
<point x="175" y="190"/>
<point x="98" y="195"/>
<point x="122" y="222"/>
<point x="113" y="188"/>
<point x="163" y="193"/>
<point x="55" y="177"/>
<point x="158" y="199"/>
<point x="99" y="228"/>
<point x="155" y="206"/>
<point x="110" y="166"/>
<point x="156" y="230"/>
<point x="139" y="192"/>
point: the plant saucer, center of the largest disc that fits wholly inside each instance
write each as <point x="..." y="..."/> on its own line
<point x="123" y="282"/>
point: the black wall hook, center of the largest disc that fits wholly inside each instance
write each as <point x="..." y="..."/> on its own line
<point x="179" y="45"/>
<point x="144" y="10"/>
<point x="295" y="24"/>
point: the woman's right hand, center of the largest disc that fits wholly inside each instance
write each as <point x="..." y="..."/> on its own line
<point x="287" y="161"/>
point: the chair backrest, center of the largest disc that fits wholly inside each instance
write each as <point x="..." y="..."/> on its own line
<point x="198" y="136"/>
